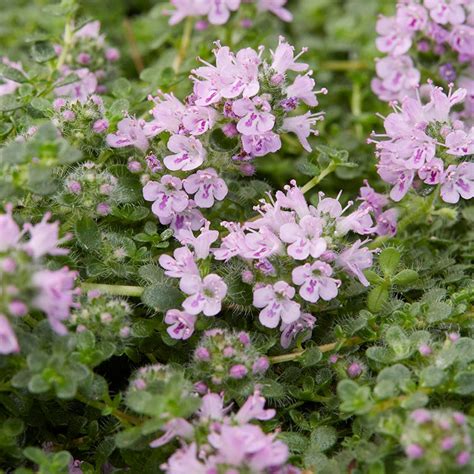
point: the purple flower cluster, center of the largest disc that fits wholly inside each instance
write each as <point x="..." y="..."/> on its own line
<point x="424" y="145"/>
<point x="440" y="29"/>
<point x="21" y="275"/>
<point x="218" y="12"/>
<point x="109" y="317"/>
<point x="90" y="189"/>
<point x="296" y="246"/>
<point x="215" y="440"/>
<point x="436" y="439"/>
<point x="89" y="59"/>
<point x="246" y="101"/>
<point x="223" y="356"/>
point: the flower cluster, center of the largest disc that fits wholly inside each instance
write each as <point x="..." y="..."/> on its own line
<point x="83" y="122"/>
<point x="109" y="317"/>
<point x="423" y="146"/>
<point x="441" y="29"/>
<point x="90" y="189"/>
<point x="238" y="109"/>
<point x="25" y="285"/>
<point x="305" y="245"/>
<point x="204" y="293"/>
<point x="215" y="440"/>
<point x="89" y="59"/>
<point x="222" y="356"/>
<point x="437" y="440"/>
<point x="218" y="12"/>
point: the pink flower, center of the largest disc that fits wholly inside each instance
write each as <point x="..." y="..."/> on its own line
<point x="185" y="8"/>
<point x="276" y="301"/>
<point x="256" y="118"/>
<point x="301" y="127"/>
<point x="305" y="238"/>
<point x="261" y="145"/>
<point x="202" y="243"/>
<point x="446" y="11"/>
<point x="205" y="295"/>
<point x="253" y="409"/>
<point x="168" y="114"/>
<point x="129" y="133"/>
<point x="190" y="217"/>
<point x="289" y="332"/>
<point x="206" y="187"/>
<point x="189" y="153"/>
<point x="9" y="231"/>
<point x="275" y="7"/>
<point x="181" y="324"/>
<point x="315" y="281"/>
<point x="82" y="88"/>
<point x="284" y="58"/>
<point x="397" y="78"/>
<point x="8" y="340"/>
<point x="219" y="10"/>
<point x="432" y="171"/>
<point x="44" y="238"/>
<point x="100" y="125"/>
<point x="181" y="265"/>
<point x="387" y="222"/>
<point x="355" y="259"/>
<point x="393" y="39"/>
<point x="55" y="296"/>
<point x="460" y="143"/>
<point x="185" y="460"/>
<point x="303" y="89"/>
<point x="167" y="195"/>
<point x="198" y="120"/>
<point x="458" y="181"/>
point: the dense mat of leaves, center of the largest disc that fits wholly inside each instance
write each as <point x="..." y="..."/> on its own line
<point x="237" y="236"/>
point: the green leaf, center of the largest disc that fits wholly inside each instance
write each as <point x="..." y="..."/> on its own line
<point x="437" y="311"/>
<point x="12" y="73"/>
<point x="378" y="296"/>
<point x="464" y="383"/>
<point x="162" y="297"/>
<point x="38" y="384"/>
<point x="389" y="260"/>
<point x="36" y="455"/>
<point x="38" y="103"/>
<point x="373" y="278"/>
<point x="432" y="377"/>
<point x="310" y="357"/>
<point x="405" y="277"/>
<point x="42" y="51"/>
<point x="87" y="233"/>
<point x="323" y="438"/>
<point x="9" y="102"/>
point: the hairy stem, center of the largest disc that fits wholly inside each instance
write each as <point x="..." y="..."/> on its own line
<point x="117" y="290"/>
<point x="317" y="179"/>
<point x="120" y="415"/>
<point x="184" y="45"/>
<point x="67" y="42"/>
<point x="324" y="348"/>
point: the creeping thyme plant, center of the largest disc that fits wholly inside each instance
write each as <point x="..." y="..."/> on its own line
<point x="236" y="236"/>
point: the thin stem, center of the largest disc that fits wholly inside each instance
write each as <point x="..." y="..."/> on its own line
<point x="184" y="45"/>
<point x="349" y="65"/>
<point x="120" y="415"/>
<point x="67" y="42"/>
<point x="323" y="348"/>
<point x="317" y="179"/>
<point x="118" y="290"/>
